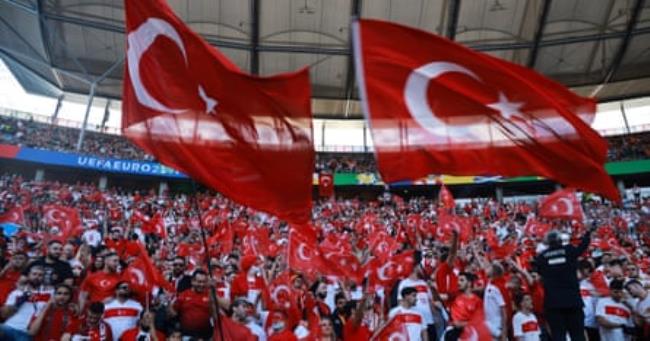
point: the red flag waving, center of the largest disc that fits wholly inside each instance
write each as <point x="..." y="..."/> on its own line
<point x="156" y="225"/>
<point x="303" y="254"/>
<point x="393" y="330"/>
<point x="436" y="107"/>
<point x="325" y="184"/>
<point x="184" y="102"/>
<point x="448" y="223"/>
<point x="445" y="198"/>
<point x="14" y="215"/>
<point x="66" y="219"/>
<point x="143" y="274"/>
<point x="561" y="204"/>
<point x="388" y="272"/>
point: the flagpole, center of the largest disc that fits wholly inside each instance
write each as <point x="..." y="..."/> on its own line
<point x="213" y="290"/>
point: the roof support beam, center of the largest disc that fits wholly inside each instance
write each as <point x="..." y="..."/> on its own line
<point x="541" y="24"/>
<point x="255" y="37"/>
<point x="618" y="59"/>
<point x="452" y="19"/>
<point x="349" y="76"/>
<point x="21" y="6"/>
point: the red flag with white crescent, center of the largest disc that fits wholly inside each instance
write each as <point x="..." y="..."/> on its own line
<point x="66" y="219"/>
<point x="303" y="254"/>
<point x="437" y="107"/>
<point x="387" y="272"/>
<point x="14" y="215"/>
<point x="561" y="204"/>
<point x="184" y="102"/>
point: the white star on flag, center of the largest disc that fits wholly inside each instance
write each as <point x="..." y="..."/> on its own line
<point x="506" y="108"/>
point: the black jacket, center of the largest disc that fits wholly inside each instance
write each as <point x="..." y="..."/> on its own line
<point x="558" y="268"/>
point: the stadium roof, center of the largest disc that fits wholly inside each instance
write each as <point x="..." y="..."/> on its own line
<point x="581" y="43"/>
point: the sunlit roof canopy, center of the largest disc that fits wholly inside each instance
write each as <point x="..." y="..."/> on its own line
<point x="581" y="43"/>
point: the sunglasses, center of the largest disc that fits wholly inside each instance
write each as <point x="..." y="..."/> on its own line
<point x="124" y="287"/>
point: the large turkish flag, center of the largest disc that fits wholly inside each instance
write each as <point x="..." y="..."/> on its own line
<point x="184" y="102"/>
<point x="436" y="107"/>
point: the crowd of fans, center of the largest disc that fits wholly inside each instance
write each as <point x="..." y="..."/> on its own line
<point x="74" y="269"/>
<point x="33" y="134"/>
<point x="629" y="147"/>
<point x="29" y="133"/>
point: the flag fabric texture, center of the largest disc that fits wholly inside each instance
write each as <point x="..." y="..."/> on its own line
<point x="561" y="204"/>
<point x="436" y="107"/>
<point x="185" y="103"/>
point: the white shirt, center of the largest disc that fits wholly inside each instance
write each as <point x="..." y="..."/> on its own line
<point x="526" y="326"/>
<point x="92" y="237"/>
<point x="256" y="330"/>
<point x="410" y="318"/>
<point x="423" y="297"/>
<point x="492" y="304"/>
<point x="122" y="316"/>
<point x="35" y="304"/>
<point x="587" y="291"/>
<point x="613" y="312"/>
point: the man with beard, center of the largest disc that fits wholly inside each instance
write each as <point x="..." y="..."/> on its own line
<point x="240" y="314"/>
<point x="59" y="313"/>
<point x="181" y="280"/>
<point x="193" y="308"/>
<point x="463" y="307"/>
<point x="23" y="304"/>
<point x="144" y="331"/>
<point x="89" y="327"/>
<point x="101" y="285"/>
<point x="122" y="312"/>
<point x="56" y="270"/>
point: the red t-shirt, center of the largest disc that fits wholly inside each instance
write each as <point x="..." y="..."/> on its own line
<point x="352" y="331"/>
<point x="101" y="332"/>
<point x="119" y="246"/>
<point x="54" y="324"/>
<point x="446" y="279"/>
<point x="132" y="335"/>
<point x="100" y="285"/>
<point x="464" y="307"/>
<point x="194" y="310"/>
<point x="8" y="284"/>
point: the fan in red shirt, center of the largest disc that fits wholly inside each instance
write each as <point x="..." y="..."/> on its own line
<point x="446" y="280"/>
<point x="193" y="308"/>
<point x="11" y="273"/>
<point x="354" y="328"/>
<point x="464" y="305"/>
<point x="91" y="327"/>
<point x="144" y="331"/>
<point x="101" y="285"/>
<point x="116" y="242"/>
<point x="51" y="322"/>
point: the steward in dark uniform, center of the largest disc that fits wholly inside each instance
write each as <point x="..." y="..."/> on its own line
<point x="562" y="301"/>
